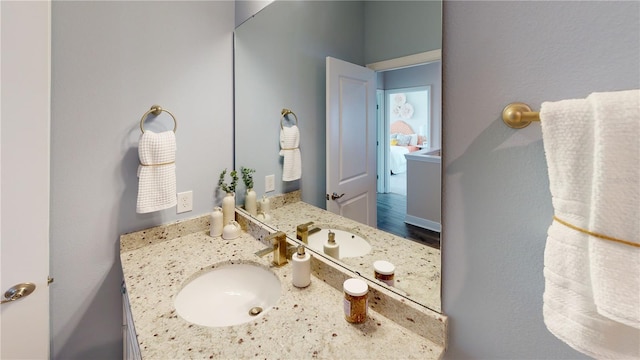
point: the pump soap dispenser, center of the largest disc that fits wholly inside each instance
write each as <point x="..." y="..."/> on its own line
<point x="331" y="247"/>
<point x="301" y="268"/>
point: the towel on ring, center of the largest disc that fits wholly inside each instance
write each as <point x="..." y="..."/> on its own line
<point x="290" y="149"/>
<point x="592" y="285"/>
<point x="157" y="171"/>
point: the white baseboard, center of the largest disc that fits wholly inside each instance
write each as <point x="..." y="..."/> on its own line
<point x="423" y="223"/>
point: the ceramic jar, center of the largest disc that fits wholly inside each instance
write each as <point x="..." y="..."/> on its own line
<point x="250" y="202"/>
<point x="228" y="208"/>
<point x="216" y="222"/>
<point x="265" y="205"/>
<point x="231" y="230"/>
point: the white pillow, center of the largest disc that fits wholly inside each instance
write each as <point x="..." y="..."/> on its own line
<point x="394" y="135"/>
<point x="414" y="139"/>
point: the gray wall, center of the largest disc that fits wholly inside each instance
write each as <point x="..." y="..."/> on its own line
<point x="110" y="62"/>
<point x="497" y="206"/>
<point x="246" y="9"/>
<point x="281" y="64"/>
<point x="428" y="74"/>
<point x="399" y="28"/>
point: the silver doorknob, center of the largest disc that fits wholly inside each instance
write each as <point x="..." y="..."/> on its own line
<point x="334" y="196"/>
<point x="17" y="292"/>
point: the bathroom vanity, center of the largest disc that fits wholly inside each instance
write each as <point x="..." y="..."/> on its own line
<point x="303" y="323"/>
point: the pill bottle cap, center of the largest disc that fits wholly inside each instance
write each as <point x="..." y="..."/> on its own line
<point x="355" y="287"/>
<point x="383" y="267"/>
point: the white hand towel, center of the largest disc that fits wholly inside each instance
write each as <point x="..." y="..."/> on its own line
<point x="582" y="188"/>
<point x="616" y="212"/>
<point x="289" y="148"/>
<point x="157" y="171"/>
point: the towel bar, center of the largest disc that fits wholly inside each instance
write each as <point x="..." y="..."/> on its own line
<point x="519" y="115"/>
<point x="157" y="110"/>
<point x="284" y="113"/>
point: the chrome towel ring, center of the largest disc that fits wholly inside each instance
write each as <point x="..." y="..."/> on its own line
<point x="157" y="110"/>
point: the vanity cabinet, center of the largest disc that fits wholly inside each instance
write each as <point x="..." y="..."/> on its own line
<point x="423" y="189"/>
<point x="130" y="347"/>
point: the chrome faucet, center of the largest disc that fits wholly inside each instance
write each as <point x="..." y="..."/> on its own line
<point x="304" y="230"/>
<point x="278" y="248"/>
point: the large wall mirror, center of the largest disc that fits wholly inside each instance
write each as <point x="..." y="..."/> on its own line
<point x="280" y="55"/>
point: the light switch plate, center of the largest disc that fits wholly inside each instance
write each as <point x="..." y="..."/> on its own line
<point x="269" y="183"/>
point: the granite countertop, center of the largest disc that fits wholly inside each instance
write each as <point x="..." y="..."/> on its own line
<point x="418" y="267"/>
<point x="305" y="323"/>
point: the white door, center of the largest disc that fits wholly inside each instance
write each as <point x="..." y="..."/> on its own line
<point x="381" y="144"/>
<point x="24" y="180"/>
<point x="351" y="141"/>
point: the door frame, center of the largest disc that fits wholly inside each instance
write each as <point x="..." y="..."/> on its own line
<point x="382" y="185"/>
<point x="386" y="153"/>
<point x="422" y="58"/>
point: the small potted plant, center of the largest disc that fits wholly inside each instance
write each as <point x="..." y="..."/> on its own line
<point x="247" y="177"/>
<point x="229" y="201"/>
<point x="231" y="188"/>
<point x="250" y="203"/>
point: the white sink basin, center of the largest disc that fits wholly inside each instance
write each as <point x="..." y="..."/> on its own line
<point x="351" y="245"/>
<point x="230" y="294"/>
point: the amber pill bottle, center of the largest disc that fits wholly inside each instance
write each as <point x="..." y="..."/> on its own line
<point x="355" y="300"/>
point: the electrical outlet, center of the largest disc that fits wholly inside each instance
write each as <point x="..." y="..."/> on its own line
<point x="269" y="183"/>
<point x="185" y="202"/>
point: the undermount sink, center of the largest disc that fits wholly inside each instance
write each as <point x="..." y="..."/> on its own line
<point x="230" y="294"/>
<point x="351" y="244"/>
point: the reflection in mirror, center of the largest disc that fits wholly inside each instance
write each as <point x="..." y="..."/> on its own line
<point x="280" y="63"/>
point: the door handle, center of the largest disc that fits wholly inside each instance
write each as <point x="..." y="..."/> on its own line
<point x="17" y="292"/>
<point x="334" y="196"/>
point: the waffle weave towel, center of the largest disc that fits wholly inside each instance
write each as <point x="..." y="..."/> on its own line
<point x="289" y="148"/>
<point x="156" y="172"/>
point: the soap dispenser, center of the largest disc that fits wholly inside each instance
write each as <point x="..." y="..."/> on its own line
<point x="301" y="268"/>
<point x="331" y="247"/>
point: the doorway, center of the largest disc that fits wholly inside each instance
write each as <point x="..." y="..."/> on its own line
<point x="408" y="120"/>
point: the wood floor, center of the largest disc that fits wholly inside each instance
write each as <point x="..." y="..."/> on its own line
<point x="391" y="212"/>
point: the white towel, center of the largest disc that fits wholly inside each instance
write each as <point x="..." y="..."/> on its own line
<point x="592" y="285"/>
<point x="157" y="171"/>
<point x="290" y="149"/>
